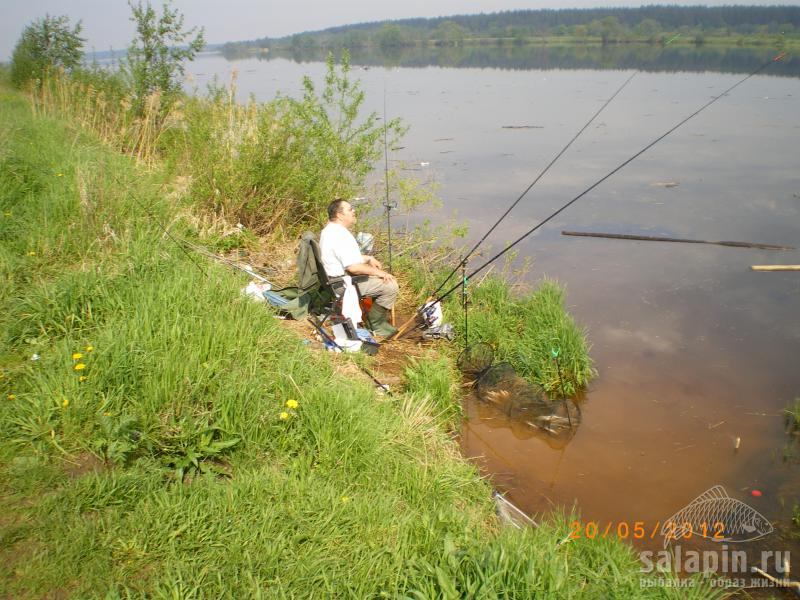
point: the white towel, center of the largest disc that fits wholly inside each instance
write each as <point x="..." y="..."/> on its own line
<point x="350" y="308"/>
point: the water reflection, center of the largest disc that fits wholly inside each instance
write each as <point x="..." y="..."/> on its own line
<point x="644" y="57"/>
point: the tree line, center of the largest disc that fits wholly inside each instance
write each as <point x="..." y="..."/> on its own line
<point x="649" y="24"/>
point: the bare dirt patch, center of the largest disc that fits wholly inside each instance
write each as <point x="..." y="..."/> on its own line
<point x="387" y="365"/>
<point x="83" y="464"/>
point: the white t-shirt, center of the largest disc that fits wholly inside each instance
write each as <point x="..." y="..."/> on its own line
<point x="338" y="249"/>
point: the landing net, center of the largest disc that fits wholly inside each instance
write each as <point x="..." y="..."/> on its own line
<point x="500" y="385"/>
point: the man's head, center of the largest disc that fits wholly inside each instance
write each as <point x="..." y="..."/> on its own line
<point x="341" y="211"/>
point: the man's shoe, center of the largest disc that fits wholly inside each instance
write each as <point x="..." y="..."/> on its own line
<point x="378" y="322"/>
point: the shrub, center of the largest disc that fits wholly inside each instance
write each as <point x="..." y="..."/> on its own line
<point x="156" y="54"/>
<point x="280" y="163"/>
<point x="45" y="45"/>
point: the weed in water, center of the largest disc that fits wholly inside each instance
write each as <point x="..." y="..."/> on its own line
<point x="792" y="415"/>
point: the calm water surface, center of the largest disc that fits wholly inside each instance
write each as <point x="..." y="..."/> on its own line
<point x="693" y="349"/>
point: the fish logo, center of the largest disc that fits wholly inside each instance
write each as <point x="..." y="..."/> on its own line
<point x="716" y="516"/>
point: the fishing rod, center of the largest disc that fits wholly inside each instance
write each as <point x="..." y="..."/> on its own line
<point x="387" y="204"/>
<point x="541" y="174"/>
<point x="233" y="264"/>
<point x="183" y="243"/>
<point x="533" y="183"/>
<point x="615" y="170"/>
<point x="463" y="262"/>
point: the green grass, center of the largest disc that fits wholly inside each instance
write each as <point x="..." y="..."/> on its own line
<point x="436" y="378"/>
<point x="526" y="330"/>
<point x="199" y="489"/>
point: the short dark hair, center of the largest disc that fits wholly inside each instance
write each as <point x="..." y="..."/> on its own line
<point x="334" y="208"/>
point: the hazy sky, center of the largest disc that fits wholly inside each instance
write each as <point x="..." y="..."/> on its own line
<point x="106" y="23"/>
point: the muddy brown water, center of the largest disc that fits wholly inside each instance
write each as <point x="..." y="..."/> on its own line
<point x="693" y="349"/>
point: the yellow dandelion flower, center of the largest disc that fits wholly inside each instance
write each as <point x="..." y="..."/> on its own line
<point x="79" y="367"/>
<point x="345" y="499"/>
<point x="31" y="253"/>
<point x="283" y="416"/>
<point x="11" y="396"/>
<point x="65" y="403"/>
<point x="292" y="404"/>
<point x="106" y="414"/>
<point x="82" y="378"/>
<point x="77" y="356"/>
<point x="59" y="174"/>
<point x="89" y="348"/>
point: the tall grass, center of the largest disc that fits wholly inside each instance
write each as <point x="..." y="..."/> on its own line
<point x="267" y="165"/>
<point x="101" y="102"/>
<point x="435" y="378"/>
<point x="533" y="332"/>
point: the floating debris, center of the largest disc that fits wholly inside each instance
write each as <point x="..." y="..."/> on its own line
<point x="522" y="127"/>
<point x="775" y="267"/>
<point x="665" y="184"/>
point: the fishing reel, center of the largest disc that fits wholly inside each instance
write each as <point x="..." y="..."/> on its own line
<point x="433" y="323"/>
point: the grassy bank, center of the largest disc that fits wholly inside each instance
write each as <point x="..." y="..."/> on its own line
<point x="274" y="167"/>
<point x="162" y="437"/>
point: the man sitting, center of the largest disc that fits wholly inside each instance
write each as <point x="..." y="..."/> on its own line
<point x="341" y="255"/>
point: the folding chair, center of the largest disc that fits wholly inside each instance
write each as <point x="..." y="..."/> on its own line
<point x="327" y="295"/>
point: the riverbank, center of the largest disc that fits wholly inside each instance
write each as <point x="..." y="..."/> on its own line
<point x="778" y="42"/>
<point x="164" y="437"/>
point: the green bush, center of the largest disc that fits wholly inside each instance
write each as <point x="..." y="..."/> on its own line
<point x="281" y="163"/>
<point x="155" y="58"/>
<point x="45" y="45"/>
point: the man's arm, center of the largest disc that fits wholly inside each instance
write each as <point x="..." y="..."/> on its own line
<point x="368" y="269"/>
<point x="371" y="260"/>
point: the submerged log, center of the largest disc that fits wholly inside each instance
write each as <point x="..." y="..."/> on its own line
<point x="652" y="238"/>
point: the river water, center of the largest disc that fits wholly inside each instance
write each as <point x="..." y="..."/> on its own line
<point x="693" y="349"/>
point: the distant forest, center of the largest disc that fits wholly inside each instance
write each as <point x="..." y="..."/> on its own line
<point x="774" y="25"/>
